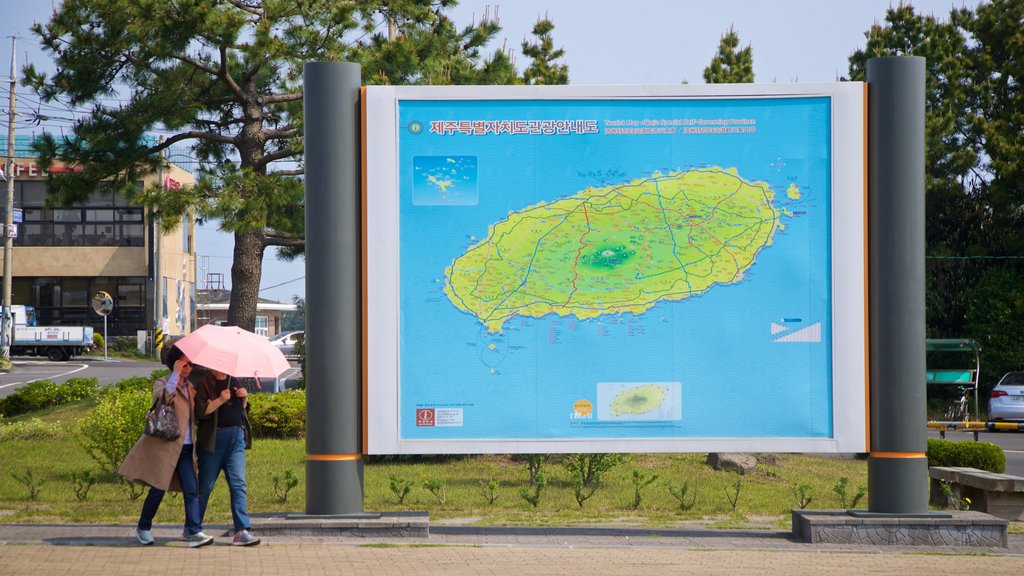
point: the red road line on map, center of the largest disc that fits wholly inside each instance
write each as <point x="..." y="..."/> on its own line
<point x="575" y="263"/>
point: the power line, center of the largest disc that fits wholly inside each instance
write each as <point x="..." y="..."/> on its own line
<point x="282" y="283"/>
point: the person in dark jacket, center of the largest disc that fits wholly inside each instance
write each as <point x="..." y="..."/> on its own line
<point x="224" y="434"/>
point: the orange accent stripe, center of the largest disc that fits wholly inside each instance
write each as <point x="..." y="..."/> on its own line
<point x="867" y="289"/>
<point x="898" y="455"/>
<point x="363" y="283"/>
<point x="333" y="457"/>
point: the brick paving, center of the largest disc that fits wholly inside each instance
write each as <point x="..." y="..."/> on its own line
<point x="466" y="550"/>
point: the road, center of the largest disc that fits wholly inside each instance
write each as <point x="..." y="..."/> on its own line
<point x="106" y="371"/>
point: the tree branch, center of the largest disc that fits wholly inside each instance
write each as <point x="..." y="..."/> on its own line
<point x="277" y="238"/>
<point x="246" y="8"/>
<point x="279" y="133"/>
<point x="223" y="73"/>
<point x="297" y="172"/>
<point x="277" y="155"/>
<point x="192" y="134"/>
<point x="196" y="64"/>
<point x="278" y="98"/>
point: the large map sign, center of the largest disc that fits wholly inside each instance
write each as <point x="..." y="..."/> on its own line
<point x="645" y="269"/>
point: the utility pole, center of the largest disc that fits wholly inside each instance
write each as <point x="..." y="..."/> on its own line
<point x="158" y="276"/>
<point x="5" y="323"/>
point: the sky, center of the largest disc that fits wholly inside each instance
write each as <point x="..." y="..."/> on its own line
<point x="649" y="42"/>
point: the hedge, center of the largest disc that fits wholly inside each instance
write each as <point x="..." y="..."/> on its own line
<point x="980" y="455"/>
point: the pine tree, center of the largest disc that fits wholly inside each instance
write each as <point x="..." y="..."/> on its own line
<point x="225" y="77"/>
<point x="543" y="69"/>
<point x="730" y="65"/>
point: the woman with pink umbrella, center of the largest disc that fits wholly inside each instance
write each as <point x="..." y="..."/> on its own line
<point x="222" y="410"/>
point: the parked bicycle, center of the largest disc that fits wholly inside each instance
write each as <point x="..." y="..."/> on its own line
<point x="957" y="409"/>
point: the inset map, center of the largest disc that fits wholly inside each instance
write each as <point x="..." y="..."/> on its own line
<point x="639" y="401"/>
<point x="444" y="181"/>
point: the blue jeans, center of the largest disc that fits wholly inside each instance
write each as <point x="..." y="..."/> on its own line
<point x="187" y="477"/>
<point x="228" y="455"/>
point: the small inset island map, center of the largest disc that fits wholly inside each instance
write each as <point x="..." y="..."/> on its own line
<point x="444" y="181"/>
<point x="616" y="249"/>
<point x="639" y="401"/>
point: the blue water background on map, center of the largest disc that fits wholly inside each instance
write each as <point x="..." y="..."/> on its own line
<point x="524" y="382"/>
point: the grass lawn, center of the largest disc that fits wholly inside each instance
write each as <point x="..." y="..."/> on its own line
<point x="764" y="497"/>
<point x="40" y="453"/>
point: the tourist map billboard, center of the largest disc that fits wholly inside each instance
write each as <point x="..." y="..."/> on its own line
<point x="573" y="269"/>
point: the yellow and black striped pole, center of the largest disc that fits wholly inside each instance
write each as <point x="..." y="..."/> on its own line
<point x="158" y="342"/>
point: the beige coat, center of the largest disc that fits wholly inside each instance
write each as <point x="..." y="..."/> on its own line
<point x="152" y="461"/>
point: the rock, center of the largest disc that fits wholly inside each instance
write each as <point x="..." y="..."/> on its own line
<point x="732" y="462"/>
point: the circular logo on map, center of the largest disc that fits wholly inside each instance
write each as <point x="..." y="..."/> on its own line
<point x="583" y="408"/>
<point x="415" y="127"/>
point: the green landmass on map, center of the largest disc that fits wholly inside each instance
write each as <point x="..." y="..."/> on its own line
<point x="616" y="249"/>
<point x="638" y="400"/>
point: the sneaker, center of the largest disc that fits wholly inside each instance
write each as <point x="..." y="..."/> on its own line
<point x="145" y="536"/>
<point x="245" y="538"/>
<point x="184" y="535"/>
<point x="199" y="539"/>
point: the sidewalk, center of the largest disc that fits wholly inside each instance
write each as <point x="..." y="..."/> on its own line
<point x="469" y="550"/>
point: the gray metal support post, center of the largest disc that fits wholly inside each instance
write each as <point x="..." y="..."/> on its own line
<point x="334" y="465"/>
<point x="897" y="466"/>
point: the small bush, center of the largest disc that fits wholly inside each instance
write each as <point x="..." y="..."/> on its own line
<point x="281" y="415"/>
<point x="29" y="398"/>
<point x="45" y="394"/>
<point x="282" y="486"/>
<point x="127" y="345"/>
<point x="83" y="481"/>
<point x="133" y="384"/>
<point x="400" y="487"/>
<point x="31" y="482"/>
<point x="980" y="455"/>
<point x="98" y="341"/>
<point x="33" y="429"/>
<point x="110" y="430"/>
<point x="76" y="389"/>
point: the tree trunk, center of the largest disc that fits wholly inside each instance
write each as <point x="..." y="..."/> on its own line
<point x="246" y="272"/>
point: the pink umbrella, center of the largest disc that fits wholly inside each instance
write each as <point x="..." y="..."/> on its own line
<point x="234" y="351"/>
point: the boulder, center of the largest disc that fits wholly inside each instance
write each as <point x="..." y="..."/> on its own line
<point x="732" y="462"/>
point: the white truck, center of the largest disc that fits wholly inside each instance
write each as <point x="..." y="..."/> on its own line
<point x="55" y="342"/>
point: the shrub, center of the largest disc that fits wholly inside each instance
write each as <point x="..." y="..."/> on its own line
<point x="33" y="429"/>
<point x="980" y="455"/>
<point x="135" y="383"/>
<point x="29" y="398"/>
<point x="110" y="430"/>
<point x="76" y="389"/>
<point x="281" y="415"/>
<point x="98" y="341"/>
<point x="46" y="393"/>
<point x="125" y="345"/>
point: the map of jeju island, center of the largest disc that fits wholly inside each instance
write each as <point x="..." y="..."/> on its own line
<point x="639" y="400"/>
<point x="617" y="249"/>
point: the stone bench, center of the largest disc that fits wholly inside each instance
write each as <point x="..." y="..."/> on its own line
<point x="1000" y="495"/>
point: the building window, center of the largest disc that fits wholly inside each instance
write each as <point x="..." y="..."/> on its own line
<point x="67" y="302"/>
<point x="105" y="220"/>
<point x="262" y="324"/>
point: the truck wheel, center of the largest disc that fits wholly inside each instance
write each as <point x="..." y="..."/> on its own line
<point x="56" y="354"/>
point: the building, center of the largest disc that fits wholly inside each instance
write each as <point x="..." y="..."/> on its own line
<point x="63" y="256"/>
<point x="212" y="308"/>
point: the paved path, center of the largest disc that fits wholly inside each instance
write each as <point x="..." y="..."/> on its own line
<point x="455" y="551"/>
